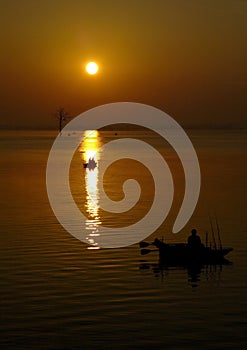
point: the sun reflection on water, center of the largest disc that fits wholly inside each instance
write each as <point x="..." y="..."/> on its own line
<point x="90" y="156"/>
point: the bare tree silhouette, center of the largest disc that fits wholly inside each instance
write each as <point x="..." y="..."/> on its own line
<point x="61" y="115"/>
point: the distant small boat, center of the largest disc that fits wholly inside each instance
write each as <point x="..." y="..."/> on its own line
<point x="180" y="254"/>
<point x="91" y="165"/>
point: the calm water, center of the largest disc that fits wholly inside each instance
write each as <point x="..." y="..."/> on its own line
<point x="58" y="294"/>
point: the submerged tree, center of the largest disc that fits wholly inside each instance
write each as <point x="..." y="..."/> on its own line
<point x="61" y="115"/>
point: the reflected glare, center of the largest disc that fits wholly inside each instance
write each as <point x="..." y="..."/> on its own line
<point x="90" y="156"/>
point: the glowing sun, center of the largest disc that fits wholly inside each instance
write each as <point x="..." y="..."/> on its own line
<point x="92" y="68"/>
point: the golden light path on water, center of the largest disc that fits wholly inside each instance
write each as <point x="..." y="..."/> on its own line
<point x="90" y="157"/>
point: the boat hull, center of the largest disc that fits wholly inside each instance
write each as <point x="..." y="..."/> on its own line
<point x="182" y="254"/>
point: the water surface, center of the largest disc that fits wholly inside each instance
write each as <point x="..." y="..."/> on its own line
<point x="58" y="294"/>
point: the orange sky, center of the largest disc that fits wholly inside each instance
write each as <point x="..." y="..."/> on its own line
<point x="186" y="57"/>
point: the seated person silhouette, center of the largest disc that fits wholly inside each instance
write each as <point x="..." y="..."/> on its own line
<point x="194" y="241"/>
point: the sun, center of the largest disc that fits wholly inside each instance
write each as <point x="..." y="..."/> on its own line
<point x="92" y="68"/>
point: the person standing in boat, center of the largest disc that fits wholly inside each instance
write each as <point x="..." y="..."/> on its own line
<point x="194" y="241"/>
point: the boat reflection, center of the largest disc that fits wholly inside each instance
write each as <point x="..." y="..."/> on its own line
<point x="90" y="156"/>
<point x="194" y="273"/>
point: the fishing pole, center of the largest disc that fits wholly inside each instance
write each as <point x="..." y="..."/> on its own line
<point x="212" y="229"/>
<point x="218" y="231"/>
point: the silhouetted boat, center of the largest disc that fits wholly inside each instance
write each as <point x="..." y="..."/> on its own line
<point x="181" y="254"/>
<point x="91" y="165"/>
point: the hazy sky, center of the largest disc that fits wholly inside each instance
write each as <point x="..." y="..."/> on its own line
<point x="187" y="57"/>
